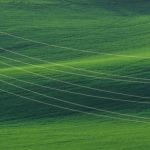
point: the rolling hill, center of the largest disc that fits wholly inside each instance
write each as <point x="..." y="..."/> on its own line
<point x="74" y="74"/>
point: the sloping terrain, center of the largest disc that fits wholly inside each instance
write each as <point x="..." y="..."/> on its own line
<point x="74" y="74"/>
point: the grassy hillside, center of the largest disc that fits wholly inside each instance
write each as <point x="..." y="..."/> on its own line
<point x="94" y="53"/>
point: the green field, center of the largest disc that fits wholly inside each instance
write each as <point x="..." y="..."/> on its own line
<point x="74" y="75"/>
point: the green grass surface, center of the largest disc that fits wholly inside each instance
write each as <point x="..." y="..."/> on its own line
<point x="90" y="133"/>
<point x="104" y="26"/>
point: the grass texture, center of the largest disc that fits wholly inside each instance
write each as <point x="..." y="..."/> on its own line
<point x="102" y="49"/>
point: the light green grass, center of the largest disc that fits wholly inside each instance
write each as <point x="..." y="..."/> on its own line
<point x="76" y="133"/>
